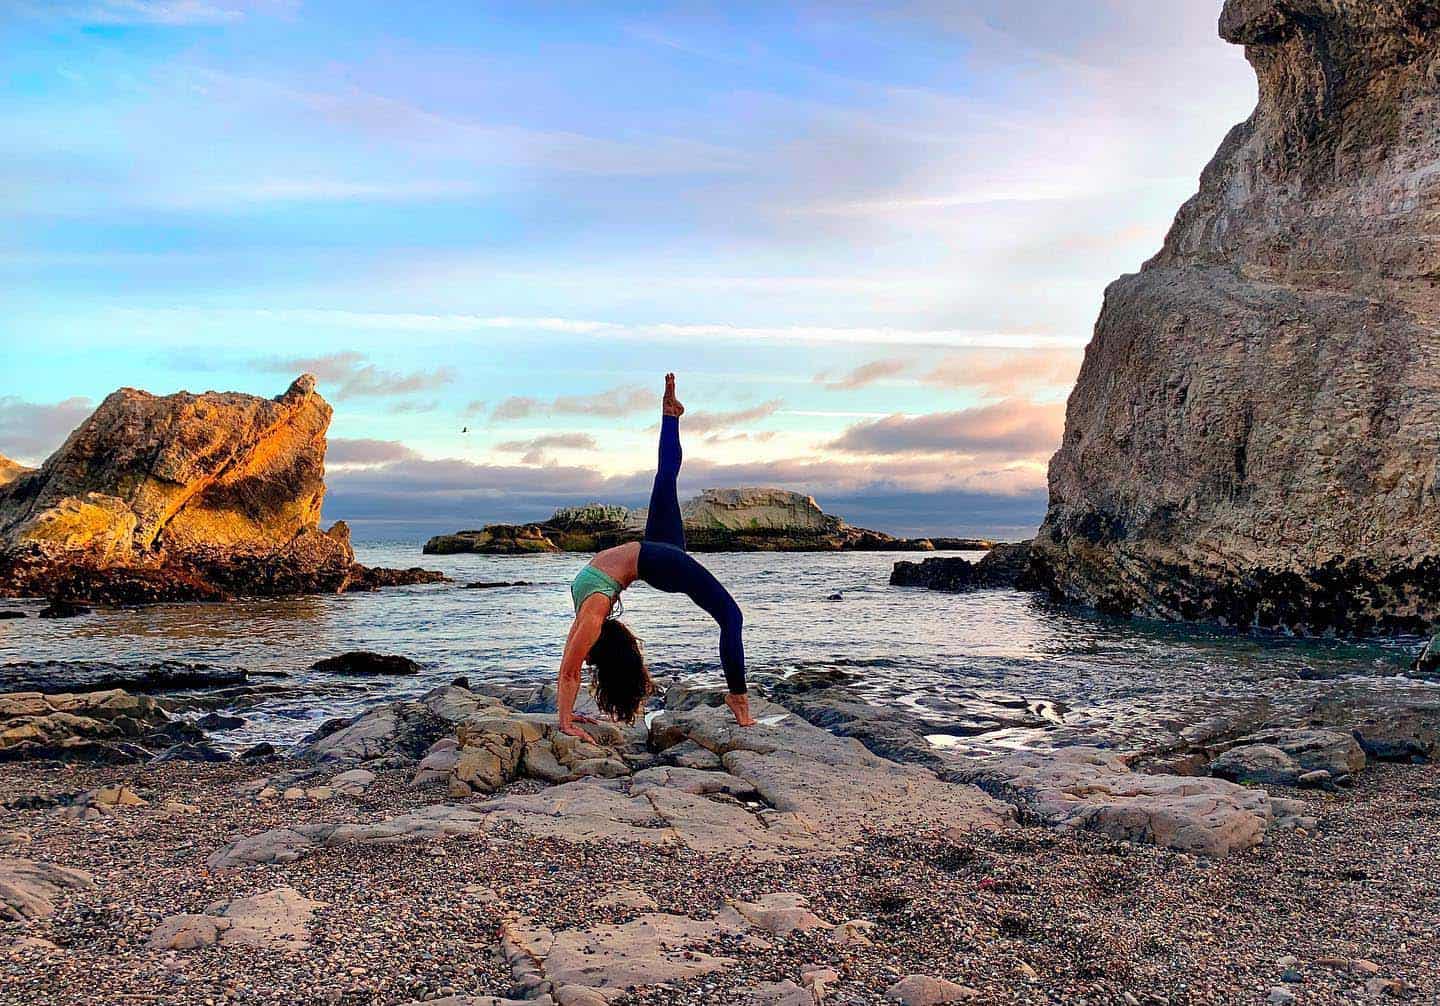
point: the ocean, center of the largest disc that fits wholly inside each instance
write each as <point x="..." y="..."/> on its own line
<point x="987" y="669"/>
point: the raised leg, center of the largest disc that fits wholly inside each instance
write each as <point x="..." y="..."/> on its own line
<point x="663" y="523"/>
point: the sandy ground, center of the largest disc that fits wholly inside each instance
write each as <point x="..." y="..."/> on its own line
<point x="1027" y="916"/>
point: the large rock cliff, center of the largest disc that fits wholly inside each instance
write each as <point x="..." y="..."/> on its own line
<point x="181" y="497"/>
<point x="1255" y="435"/>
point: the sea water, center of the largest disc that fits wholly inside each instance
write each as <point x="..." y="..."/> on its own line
<point x="993" y="667"/>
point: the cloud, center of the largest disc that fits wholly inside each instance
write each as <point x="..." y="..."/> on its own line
<point x="356" y="377"/>
<point x="30" y="431"/>
<point x="564" y="441"/>
<point x="1010" y="374"/>
<point x="709" y="422"/>
<point x="615" y="402"/>
<point x="174" y="13"/>
<point x="342" y="451"/>
<point x="865" y="374"/>
<point x="688" y="332"/>
<point x="1013" y="428"/>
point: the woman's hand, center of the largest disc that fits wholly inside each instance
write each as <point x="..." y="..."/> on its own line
<point x="585" y="718"/>
<point x="740" y="706"/>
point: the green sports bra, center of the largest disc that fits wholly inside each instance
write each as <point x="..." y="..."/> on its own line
<point x="592" y="581"/>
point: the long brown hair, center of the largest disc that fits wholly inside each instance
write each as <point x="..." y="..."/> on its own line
<point x="619" y="679"/>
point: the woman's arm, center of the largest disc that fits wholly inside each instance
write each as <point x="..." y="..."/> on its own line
<point x="583" y="633"/>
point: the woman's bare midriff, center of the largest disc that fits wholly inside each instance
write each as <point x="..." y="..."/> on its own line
<point x="620" y="563"/>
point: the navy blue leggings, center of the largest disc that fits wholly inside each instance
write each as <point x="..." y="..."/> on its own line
<point x="665" y="565"/>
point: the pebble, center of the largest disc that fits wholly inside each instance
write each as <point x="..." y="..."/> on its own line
<point x="1280" y="995"/>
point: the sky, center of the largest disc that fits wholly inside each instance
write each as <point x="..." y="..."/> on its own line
<point x="871" y="239"/>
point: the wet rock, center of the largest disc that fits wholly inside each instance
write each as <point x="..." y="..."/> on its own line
<point x="60" y="608"/>
<point x="495" y="584"/>
<point x="193" y="752"/>
<point x="1314" y="750"/>
<point x="259" y="752"/>
<point x="1004" y="567"/>
<point x="29" y="889"/>
<point x="216" y="721"/>
<point x="111" y="727"/>
<point x="8" y="614"/>
<point x="100" y="675"/>
<point x="361" y="663"/>
<point x="1257" y="763"/>
<point x="394" y="730"/>
<point x="1401" y="735"/>
<point x="923" y="990"/>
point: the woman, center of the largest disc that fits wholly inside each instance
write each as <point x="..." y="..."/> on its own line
<point x="620" y="681"/>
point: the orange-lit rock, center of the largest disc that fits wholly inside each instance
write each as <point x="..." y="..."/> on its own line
<point x="181" y="497"/>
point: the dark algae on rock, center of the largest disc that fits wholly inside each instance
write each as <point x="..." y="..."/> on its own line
<point x="1254" y="435"/>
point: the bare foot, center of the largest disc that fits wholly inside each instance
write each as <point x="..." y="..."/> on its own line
<point x="740" y="706"/>
<point x="671" y="405"/>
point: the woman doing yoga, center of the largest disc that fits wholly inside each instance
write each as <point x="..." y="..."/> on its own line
<point x="620" y="681"/>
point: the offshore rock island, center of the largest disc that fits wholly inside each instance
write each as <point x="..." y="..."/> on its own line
<point x="748" y="519"/>
<point x="182" y="497"/>
<point x="1254" y="434"/>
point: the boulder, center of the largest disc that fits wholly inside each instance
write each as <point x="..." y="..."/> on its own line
<point x="923" y="990"/>
<point x="180" y="497"/>
<point x="275" y="920"/>
<point x="29" y="889"/>
<point x="1257" y="763"/>
<point x="1090" y="789"/>
<point x="112" y="727"/>
<point x="363" y="663"/>
<point x="1253" y="434"/>
<point x="1314" y="750"/>
<point x="395" y="730"/>
<point x="1004" y="567"/>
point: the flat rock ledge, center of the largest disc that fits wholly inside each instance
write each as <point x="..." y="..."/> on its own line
<point x="783" y="788"/>
<point x="1092" y="789"/>
<point x="274" y="920"/>
<point x="29" y="889"/>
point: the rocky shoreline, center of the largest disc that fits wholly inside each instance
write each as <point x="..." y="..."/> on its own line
<point x="460" y="838"/>
<point x="718" y="520"/>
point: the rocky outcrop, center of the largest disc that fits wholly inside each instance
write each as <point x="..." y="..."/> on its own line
<point x="110" y="726"/>
<point x="1004" y="567"/>
<point x="182" y="497"/>
<point x="12" y="470"/>
<point x="30" y="889"/>
<point x="1254" y="433"/>
<point x="274" y="920"/>
<point x="718" y="520"/>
